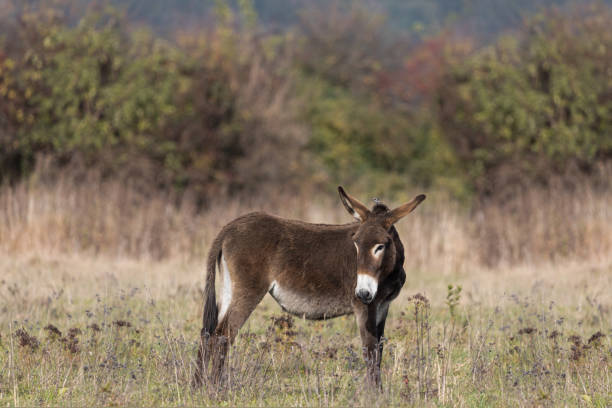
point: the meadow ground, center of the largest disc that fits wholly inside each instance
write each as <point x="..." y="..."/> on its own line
<point x="81" y="331"/>
<point x="85" y="320"/>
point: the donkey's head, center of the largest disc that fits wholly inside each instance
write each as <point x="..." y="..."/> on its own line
<point x="376" y="251"/>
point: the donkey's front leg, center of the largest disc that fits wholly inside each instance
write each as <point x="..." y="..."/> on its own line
<point x="370" y="340"/>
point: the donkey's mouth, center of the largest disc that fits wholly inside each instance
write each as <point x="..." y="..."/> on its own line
<point x="365" y="296"/>
<point x="366" y="288"/>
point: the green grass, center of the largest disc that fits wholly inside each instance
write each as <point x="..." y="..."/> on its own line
<point x="509" y="342"/>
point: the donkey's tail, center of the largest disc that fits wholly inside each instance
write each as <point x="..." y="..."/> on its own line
<point x="210" y="315"/>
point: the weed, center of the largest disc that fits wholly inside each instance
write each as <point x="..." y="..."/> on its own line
<point x="27" y="340"/>
<point x="122" y="323"/>
<point x="54" y="332"/>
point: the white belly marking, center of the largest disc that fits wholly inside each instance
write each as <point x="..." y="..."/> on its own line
<point x="311" y="307"/>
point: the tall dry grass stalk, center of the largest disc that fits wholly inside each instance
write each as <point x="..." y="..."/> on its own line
<point x="115" y="219"/>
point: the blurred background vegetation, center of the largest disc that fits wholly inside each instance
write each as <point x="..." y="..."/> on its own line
<point x="243" y="97"/>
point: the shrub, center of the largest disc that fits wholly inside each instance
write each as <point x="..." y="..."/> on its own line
<point x="534" y="105"/>
<point x="139" y="106"/>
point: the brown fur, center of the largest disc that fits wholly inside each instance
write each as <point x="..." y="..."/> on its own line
<point x="310" y="269"/>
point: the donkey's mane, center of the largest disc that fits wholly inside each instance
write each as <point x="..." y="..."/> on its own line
<point x="380" y="208"/>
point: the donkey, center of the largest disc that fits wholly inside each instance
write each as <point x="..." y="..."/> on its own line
<point x="315" y="271"/>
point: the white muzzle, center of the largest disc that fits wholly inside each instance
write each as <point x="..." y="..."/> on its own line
<point x="366" y="288"/>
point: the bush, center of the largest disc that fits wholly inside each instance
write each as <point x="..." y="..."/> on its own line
<point x="533" y="106"/>
<point x="92" y="91"/>
<point x="377" y="148"/>
<point x="138" y="106"/>
<point x="341" y="99"/>
<point x="362" y="130"/>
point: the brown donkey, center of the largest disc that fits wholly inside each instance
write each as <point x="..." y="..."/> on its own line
<point x="316" y="271"/>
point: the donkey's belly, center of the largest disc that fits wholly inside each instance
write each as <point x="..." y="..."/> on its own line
<point x="310" y="306"/>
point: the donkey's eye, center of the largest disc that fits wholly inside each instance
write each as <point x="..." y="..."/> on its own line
<point x="378" y="248"/>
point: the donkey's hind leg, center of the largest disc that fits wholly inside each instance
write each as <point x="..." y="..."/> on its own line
<point x="240" y="308"/>
<point x="204" y="351"/>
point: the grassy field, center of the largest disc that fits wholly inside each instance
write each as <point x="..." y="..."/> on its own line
<point x="81" y="331"/>
<point x="96" y="308"/>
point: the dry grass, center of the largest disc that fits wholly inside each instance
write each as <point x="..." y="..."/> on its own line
<point x="117" y="220"/>
<point x="100" y="303"/>
<point x="127" y="334"/>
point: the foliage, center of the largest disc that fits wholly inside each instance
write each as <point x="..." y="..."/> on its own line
<point x="361" y="128"/>
<point x="340" y="99"/>
<point x="132" y="103"/>
<point x="535" y="105"/>
<point x="381" y="148"/>
<point x="88" y="89"/>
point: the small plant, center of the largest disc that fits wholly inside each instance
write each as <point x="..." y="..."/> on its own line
<point x="453" y="296"/>
<point x="423" y="349"/>
<point x="445" y="350"/>
<point x="27" y="340"/>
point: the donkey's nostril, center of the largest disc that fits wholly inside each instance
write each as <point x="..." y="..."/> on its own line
<point x="364" y="295"/>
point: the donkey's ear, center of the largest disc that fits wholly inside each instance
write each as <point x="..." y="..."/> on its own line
<point x="353" y="206"/>
<point x="403" y="210"/>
